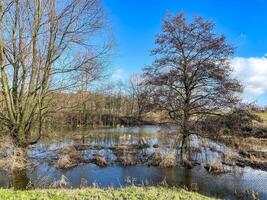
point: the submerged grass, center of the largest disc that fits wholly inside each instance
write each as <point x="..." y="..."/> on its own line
<point x="131" y="193"/>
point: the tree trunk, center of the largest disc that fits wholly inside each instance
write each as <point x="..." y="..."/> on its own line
<point x="19" y="137"/>
<point x="185" y="146"/>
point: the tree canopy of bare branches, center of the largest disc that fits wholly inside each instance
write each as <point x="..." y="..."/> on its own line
<point x="45" y="46"/>
<point x="141" y="95"/>
<point x="191" y="72"/>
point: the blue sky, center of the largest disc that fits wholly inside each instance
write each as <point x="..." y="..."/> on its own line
<point x="135" y="23"/>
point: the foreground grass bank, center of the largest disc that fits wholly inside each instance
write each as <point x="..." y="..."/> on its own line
<point x="147" y="193"/>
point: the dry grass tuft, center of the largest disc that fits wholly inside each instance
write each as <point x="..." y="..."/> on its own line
<point x="66" y="162"/>
<point x="155" y="159"/>
<point x="18" y="159"/>
<point x="63" y="182"/>
<point x="11" y="157"/>
<point x="217" y="168"/>
<point x="99" y="161"/>
<point x="127" y="160"/>
<point x="229" y="156"/>
<point x="169" y="160"/>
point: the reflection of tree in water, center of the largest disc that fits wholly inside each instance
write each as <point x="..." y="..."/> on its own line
<point x="222" y="185"/>
<point x="20" y="179"/>
<point x="186" y="177"/>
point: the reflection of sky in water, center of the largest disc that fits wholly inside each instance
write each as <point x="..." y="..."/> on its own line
<point x="116" y="175"/>
<point x="222" y="185"/>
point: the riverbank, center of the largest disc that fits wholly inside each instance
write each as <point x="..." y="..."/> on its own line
<point x="130" y="193"/>
<point x="140" y="156"/>
<point x="252" y="151"/>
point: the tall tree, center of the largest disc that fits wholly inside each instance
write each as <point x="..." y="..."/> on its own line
<point x="45" y="46"/>
<point x="191" y="73"/>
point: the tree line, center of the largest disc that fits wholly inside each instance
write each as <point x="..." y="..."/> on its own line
<point x="115" y="105"/>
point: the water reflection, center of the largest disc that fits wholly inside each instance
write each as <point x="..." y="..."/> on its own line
<point x="44" y="173"/>
<point x="20" y="179"/>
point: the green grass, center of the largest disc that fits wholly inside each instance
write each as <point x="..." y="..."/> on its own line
<point x="262" y="115"/>
<point x="133" y="193"/>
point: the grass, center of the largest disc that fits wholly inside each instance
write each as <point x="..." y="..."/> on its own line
<point x="131" y="193"/>
<point x="262" y="115"/>
<point x="246" y="144"/>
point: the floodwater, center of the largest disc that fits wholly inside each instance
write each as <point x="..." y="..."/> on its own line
<point x="44" y="174"/>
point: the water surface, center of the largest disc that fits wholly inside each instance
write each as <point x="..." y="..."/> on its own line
<point x="44" y="173"/>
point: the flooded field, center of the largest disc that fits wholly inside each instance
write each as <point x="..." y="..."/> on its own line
<point x="127" y="153"/>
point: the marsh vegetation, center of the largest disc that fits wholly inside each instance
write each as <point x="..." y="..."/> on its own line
<point x="181" y="122"/>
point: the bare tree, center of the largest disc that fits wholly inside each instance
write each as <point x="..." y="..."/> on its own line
<point x="45" y="45"/>
<point x="191" y="73"/>
<point x="140" y="93"/>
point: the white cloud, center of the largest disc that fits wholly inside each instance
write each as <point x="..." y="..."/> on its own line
<point x="252" y="72"/>
<point x="118" y="74"/>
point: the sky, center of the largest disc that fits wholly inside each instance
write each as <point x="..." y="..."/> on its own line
<point x="135" y="23"/>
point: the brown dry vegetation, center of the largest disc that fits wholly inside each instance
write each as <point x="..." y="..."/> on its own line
<point x="127" y="155"/>
<point x="252" y="151"/>
<point x="217" y="168"/>
<point x="168" y="160"/>
<point x="12" y="158"/>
